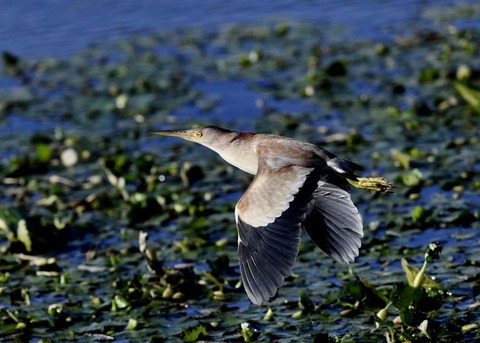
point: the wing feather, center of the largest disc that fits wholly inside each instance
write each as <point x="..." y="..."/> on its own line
<point x="334" y="223"/>
<point x="269" y="227"/>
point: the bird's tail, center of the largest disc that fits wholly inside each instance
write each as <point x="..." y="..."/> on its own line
<point x="345" y="168"/>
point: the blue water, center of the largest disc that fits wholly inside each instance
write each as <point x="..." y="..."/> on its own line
<point x="235" y="100"/>
<point x="59" y="28"/>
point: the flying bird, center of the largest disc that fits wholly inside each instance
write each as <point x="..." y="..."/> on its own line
<point x="296" y="185"/>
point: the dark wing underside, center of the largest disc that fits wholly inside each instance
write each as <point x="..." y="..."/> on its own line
<point x="267" y="257"/>
<point x="269" y="217"/>
<point x="334" y="223"/>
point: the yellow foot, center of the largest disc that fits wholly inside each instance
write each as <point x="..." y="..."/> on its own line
<point x="378" y="184"/>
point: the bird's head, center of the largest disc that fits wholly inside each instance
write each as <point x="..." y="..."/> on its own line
<point x="209" y="136"/>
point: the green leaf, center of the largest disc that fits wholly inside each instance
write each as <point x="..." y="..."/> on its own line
<point x="419" y="214"/>
<point x="132" y="324"/>
<point x="411" y="273"/>
<point x="120" y="302"/>
<point x="269" y="315"/>
<point x="247" y="332"/>
<point x="406" y="299"/>
<point x="470" y="95"/>
<point x="354" y="289"/>
<point x="401" y="158"/>
<point x="194" y="334"/>
<point x="305" y="304"/>
<point x="44" y="152"/>
<point x="412" y="178"/>
<point x="23" y="234"/>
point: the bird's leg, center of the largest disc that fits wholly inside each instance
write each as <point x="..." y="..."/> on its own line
<point x="378" y="184"/>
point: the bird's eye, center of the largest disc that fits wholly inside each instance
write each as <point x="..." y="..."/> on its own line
<point x="198" y="134"/>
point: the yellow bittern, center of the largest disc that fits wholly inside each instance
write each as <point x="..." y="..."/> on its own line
<point x="297" y="184"/>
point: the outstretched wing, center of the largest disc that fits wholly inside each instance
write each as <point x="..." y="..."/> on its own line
<point x="269" y="217"/>
<point x="334" y="224"/>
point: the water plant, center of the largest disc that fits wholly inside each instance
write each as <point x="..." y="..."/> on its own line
<point x="104" y="235"/>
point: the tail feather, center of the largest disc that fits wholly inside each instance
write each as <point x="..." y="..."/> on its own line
<point x="345" y="168"/>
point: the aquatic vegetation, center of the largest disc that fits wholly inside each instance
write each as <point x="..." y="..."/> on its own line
<point x="108" y="233"/>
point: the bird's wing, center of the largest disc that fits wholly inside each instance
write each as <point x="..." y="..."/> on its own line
<point x="334" y="223"/>
<point x="269" y="217"/>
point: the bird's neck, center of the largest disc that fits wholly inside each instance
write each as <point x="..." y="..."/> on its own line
<point x="241" y="153"/>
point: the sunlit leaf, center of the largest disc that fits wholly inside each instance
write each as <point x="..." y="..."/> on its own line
<point x="120" y="302"/>
<point x="44" y="152"/>
<point x="470" y="95"/>
<point x="23" y="234"/>
<point x="401" y="158"/>
<point x="411" y="273"/>
<point x="195" y="334"/>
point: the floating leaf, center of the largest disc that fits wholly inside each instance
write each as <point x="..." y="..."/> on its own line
<point x="44" y="152"/>
<point x="412" y="178"/>
<point x="194" y="334"/>
<point x="470" y="95"/>
<point x="420" y="214"/>
<point x="120" y="302"/>
<point x="132" y="324"/>
<point x="401" y="158"/>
